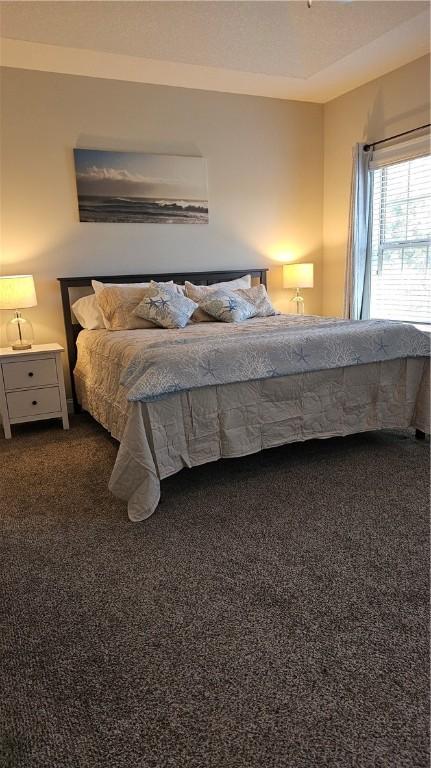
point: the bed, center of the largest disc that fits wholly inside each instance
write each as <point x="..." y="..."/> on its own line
<point x="180" y="398"/>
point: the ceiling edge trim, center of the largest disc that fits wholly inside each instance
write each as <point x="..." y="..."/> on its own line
<point x="21" y="54"/>
<point x="395" y="48"/>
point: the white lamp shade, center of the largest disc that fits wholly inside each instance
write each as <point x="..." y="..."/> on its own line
<point x="298" y="275"/>
<point x="17" y="292"/>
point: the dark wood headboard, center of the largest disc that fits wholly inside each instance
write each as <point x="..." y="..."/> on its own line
<point x="73" y="328"/>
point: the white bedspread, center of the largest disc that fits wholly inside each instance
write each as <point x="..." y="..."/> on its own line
<point x="189" y="428"/>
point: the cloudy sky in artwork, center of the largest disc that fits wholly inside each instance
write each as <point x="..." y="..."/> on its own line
<point x="134" y="174"/>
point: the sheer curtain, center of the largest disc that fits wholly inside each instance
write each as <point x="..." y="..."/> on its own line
<point x="357" y="283"/>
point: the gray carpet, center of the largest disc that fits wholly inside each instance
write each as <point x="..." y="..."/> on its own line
<point x="273" y="612"/>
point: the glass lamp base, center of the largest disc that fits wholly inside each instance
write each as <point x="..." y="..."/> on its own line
<point x="19" y="332"/>
<point x="299" y="301"/>
<point x="23" y="345"/>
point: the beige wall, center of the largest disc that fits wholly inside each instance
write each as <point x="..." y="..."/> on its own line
<point x="265" y="167"/>
<point x="265" y="170"/>
<point x="386" y="106"/>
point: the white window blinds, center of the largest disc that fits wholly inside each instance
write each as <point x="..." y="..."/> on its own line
<point x="400" y="286"/>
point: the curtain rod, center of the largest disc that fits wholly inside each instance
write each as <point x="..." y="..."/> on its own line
<point x="373" y="144"/>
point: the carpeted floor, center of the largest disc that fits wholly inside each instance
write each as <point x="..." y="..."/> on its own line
<point x="272" y="613"/>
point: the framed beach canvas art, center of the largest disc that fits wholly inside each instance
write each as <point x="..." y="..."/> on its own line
<point x="138" y="188"/>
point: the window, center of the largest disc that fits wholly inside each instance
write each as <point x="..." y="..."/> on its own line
<point x="400" y="286"/>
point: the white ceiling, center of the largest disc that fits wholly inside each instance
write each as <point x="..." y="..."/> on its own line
<point x="270" y="48"/>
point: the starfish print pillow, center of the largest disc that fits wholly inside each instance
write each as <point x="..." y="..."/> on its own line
<point x="164" y="306"/>
<point x="227" y="306"/>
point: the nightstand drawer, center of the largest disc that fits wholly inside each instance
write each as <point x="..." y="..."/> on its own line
<point x="30" y="373"/>
<point x="33" y="402"/>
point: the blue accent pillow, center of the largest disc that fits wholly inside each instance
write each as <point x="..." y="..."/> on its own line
<point x="227" y="306"/>
<point x="165" y="306"/>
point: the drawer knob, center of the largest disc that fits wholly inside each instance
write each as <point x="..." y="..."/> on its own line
<point x="31" y="373"/>
<point x="34" y="402"/>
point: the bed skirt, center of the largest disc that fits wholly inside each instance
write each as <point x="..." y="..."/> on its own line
<point x="190" y="428"/>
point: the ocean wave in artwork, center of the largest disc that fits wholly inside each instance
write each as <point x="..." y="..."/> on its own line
<point x="139" y="210"/>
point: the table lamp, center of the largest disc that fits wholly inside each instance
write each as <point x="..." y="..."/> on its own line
<point x="298" y="276"/>
<point x="18" y="292"/>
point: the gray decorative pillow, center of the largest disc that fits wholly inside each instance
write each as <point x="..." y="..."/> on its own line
<point x="199" y="292"/>
<point x="258" y="296"/>
<point x="117" y="305"/>
<point x="164" y="306"/>
<point x="227" y="306"/>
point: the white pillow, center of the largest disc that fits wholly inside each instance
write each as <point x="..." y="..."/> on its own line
<point x="232" y="285"/>
<point x="98" y="286"/>
<point x="87" y="313"/>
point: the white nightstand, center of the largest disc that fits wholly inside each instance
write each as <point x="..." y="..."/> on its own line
<point x="32" y="385"/>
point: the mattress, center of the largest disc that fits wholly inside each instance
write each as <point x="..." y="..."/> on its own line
<point x="188" y="428"/>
